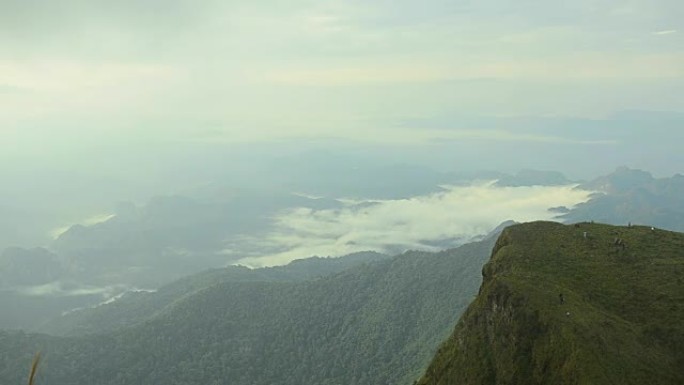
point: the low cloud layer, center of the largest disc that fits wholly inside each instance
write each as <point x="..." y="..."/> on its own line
<point x="94" y="220"/>
<point x="62" y="289"/>
<point x="428" y="222"/>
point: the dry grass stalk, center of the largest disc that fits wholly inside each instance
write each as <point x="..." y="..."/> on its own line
<point x="34" y="368"/>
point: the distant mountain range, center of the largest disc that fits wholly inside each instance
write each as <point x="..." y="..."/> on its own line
<point x="559" y="304"/>
<point x="369" y="318"/>
<point x="145" y="247"/>
<point x="633" y="196"/>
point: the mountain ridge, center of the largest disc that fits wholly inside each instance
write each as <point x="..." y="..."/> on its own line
<point x="572" y="304"/>
<point x="136" y="307"/>
<point x="377" y="323"/>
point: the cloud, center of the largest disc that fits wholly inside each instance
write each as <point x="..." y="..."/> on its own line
<point x="63" y="75"/>
<point x="428" y="222"/>
<point x="62" y="289"/>
<point x="110" y="299"/>
<point x="435" y="68"/>
<point x="513" y="136"/>
<point x="374" y="74"/>
<point x="93" y="220"/>
<point x="665" y="32"/>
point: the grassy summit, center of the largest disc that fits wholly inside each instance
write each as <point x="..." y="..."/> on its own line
<point x="621" y="320"/>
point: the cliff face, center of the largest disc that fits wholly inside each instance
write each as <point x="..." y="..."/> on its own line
<point x="618" y="320"/>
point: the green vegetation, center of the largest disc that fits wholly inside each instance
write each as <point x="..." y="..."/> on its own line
<point x="138" y="307"/>
<point x="378" y="323"/>
<point x="621" y="321"/>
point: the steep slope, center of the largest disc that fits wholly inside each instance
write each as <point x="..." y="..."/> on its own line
<point x="137" y="307"/>
<point x="620" y="321"/>
<point x="374" y="324"/>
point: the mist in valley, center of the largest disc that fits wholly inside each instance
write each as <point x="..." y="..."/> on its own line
<point x="149" y="151"/>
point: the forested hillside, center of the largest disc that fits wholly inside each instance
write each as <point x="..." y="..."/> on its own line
<point x="377" y="323"/>
<point x="136" y="307"/>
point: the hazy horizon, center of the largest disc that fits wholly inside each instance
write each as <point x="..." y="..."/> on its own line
<point x="113" y="106"/>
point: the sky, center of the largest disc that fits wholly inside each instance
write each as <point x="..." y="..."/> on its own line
<point x="102" y="101"/>
<point x="98" y="71"/>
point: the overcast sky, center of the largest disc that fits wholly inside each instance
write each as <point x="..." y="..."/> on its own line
<point x="104" y="101"/>
<point x="93" y="92"/>
<point x="241" y="71"/>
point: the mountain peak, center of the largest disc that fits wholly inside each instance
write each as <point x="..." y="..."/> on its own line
<point x="560" y="304"/>
<point x="621" y="180"/>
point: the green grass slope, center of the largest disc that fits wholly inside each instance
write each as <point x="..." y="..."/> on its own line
<point x="622" y="321"/>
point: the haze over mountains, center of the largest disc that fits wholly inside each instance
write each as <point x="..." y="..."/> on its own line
<point x="305" y="192"/>
<point x="143" y="247"/>
<point x="81" y="181"/>
<point x="366" y="317"/>
<point x="370" y="318"/>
